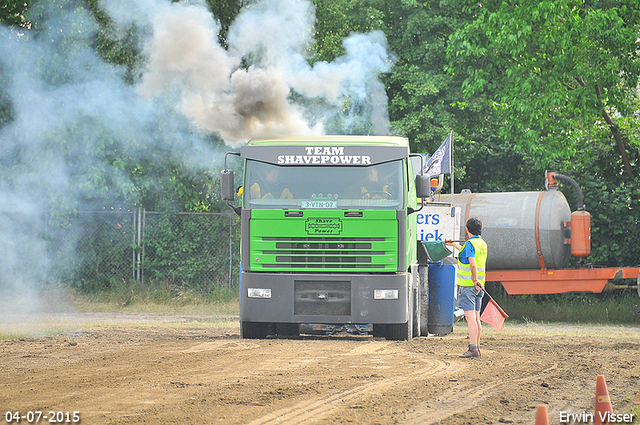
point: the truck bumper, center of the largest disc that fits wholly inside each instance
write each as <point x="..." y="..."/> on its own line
<point x="323" y="298"/>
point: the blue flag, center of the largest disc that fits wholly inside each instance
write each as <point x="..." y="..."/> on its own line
<point x="440" y="161"/>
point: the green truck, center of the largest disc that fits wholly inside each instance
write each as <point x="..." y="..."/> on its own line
<point x="328" y="237"/>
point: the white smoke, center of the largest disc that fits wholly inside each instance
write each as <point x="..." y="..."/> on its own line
<point x="245" y="91"/>
<point x="74" y="117"/>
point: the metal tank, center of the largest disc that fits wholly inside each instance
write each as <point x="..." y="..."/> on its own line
<point x="523" y="230"/>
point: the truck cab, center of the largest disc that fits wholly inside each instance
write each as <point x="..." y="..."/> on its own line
<point x="326" y="236"/>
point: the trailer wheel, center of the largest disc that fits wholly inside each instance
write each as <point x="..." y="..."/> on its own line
<point x="254" y="330"/>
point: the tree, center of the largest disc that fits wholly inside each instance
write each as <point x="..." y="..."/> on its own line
<point x="425" y="101"/>
<point x="555" y="72"/>
<point x="562" y="77"/>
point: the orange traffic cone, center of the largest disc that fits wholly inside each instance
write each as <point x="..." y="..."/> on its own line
<point x="542" y="415"/>
<point x="603" y="402"/>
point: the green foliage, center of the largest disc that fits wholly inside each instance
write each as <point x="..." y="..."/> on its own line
<point x="615" y="221"/>
<point x="222" y="295"/>
<point x="12" y="12"/>
<point x="426" y="101"/>
<point x="6" y="109"/>
<point x="555" y="72"/>
<point x="188" y="252"/>
<point x="109" y="156"/>
<point x="119" y="46"/>
<point x="524" y="87"/>
<point x="225" y="12"/>
<point x="612" y="199"/>
<point x="420" y="92"/>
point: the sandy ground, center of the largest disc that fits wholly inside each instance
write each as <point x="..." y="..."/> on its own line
<point x="129" y="369"/>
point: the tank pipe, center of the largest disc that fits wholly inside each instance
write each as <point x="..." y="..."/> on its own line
<point x="575" y="185"/>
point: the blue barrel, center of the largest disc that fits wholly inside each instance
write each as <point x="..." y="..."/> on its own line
<point x="442" y="286"/>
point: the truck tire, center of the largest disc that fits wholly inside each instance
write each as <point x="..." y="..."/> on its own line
<point x="400" y="331"/>
<point x="404" y="331"/>
<point x="417" y="308"/>
<point x="254" y="330"/>
<point x="288" y="329"/>
<point x="379" y="331"/>
<point x="424" y="308"/>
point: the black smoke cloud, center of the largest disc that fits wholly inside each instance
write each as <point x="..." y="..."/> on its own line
<point x="244" y="91"/>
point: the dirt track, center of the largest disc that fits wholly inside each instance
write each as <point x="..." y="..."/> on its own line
<point x="125" y="373"/>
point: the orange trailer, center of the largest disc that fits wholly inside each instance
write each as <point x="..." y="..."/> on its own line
<point x="534" y="234"/>
<point x="550" y="281"/>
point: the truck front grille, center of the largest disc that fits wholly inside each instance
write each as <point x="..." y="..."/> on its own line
<point x="323" y="253"/>
<point x="322" y="298"/>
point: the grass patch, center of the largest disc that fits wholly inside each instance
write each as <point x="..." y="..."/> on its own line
<point x="53" y="310"/>
<point x="614" y="307"/>
<point x="50" y="310"/>
<point x="636" y="412"/>
<point x="546" y="329"/>
<point x="36" y="326"/>
<point x="136" y="297"/>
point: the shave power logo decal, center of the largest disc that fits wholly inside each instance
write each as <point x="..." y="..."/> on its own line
<point x="324" y="155"/>
<point x="313" y="156"/>
<point x="323" y="226"/>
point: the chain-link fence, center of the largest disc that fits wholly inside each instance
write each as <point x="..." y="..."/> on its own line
<point x="91" y="249"/>
<point x="615" y="221"/>
<point x="614" y="244"/>
<point x="199" y="249"/>
<point x="94" y="249"/>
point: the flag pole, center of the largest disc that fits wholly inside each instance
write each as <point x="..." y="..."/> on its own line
<point x="451" y="162"/>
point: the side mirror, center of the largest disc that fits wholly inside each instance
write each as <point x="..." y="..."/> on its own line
<point x="226" y="185"/>
<point x="423" y="186"/>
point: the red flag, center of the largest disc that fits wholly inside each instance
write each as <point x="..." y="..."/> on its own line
<point x="493" y="315"/>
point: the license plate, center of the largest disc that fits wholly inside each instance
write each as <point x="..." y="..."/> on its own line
<point x="319" y="204"/>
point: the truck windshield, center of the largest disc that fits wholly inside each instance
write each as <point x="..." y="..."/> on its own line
<point x="377" y="186"/>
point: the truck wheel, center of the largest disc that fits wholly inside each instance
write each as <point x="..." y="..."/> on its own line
<point x="254" y="330"/>
<point x="379" y="331"/>
<point x="288" y="329"/>
<point x="423" y="294"/>
<point x="417" y="308"/>
<point x="404" y="331"/>
<point x="400" y="331"/>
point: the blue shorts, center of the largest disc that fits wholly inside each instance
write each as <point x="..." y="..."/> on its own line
<point x="469" y="298"/>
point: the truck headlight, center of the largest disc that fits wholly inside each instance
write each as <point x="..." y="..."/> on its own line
<point x="259" y="292"/>
<point x="385" y="294"/>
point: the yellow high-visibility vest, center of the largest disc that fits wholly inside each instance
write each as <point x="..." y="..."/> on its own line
<point x="463" y="276"/>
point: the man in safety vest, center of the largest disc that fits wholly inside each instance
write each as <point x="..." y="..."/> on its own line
<point x="470" y="278"/>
